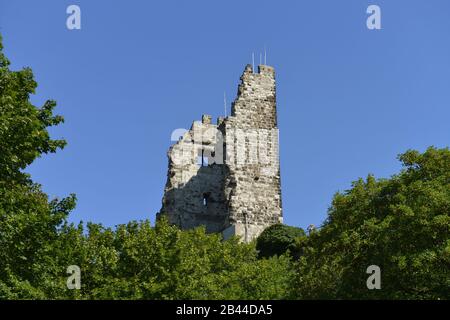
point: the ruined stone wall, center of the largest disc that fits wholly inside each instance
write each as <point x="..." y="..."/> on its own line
<point x="238" y="191"/>
<point x="194" y="195"/>
<point x="251" y="139"/>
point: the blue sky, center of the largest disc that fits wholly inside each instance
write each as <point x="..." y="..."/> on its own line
<point x="349" y="99"/>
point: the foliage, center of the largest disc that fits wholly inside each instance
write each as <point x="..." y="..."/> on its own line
<point x="23" y="127"/>
<point x="400" y="224"/>
<point x="28" y="221"/>
<point x="136" y="261"/>
<point x="279" y="239"/>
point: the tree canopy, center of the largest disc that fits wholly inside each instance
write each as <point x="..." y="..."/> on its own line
<point x="279" y="239"/>
<point x="29" y="222"/>
<point x="401" y="225"/>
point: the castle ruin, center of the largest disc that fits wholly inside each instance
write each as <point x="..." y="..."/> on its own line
<point x="226" y="176"/>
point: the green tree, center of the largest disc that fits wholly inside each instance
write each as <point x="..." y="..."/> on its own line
<point x="279" y="239"/>
<point x="401" y="224"/>
<point x="28" y="220"/>
<point x="137" y="261"/>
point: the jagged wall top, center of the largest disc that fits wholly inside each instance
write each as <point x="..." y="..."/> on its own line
<point x="255" y="104"/>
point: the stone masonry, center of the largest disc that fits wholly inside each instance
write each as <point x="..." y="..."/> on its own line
<point x="226" y="176"/>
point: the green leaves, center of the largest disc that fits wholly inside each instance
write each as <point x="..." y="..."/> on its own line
<point x="278" y="239"/>
<point x="137" y="261"/>
<point x="401" y="224"/>
<point x="29" y="223"/>
<point x="23" y="127"/>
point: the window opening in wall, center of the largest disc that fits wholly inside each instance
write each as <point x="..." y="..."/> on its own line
<point x="202" y="160"/>
<point x="205" y="199"/>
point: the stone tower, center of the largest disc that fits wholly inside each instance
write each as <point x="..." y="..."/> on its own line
<point x="226" y="176"/>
